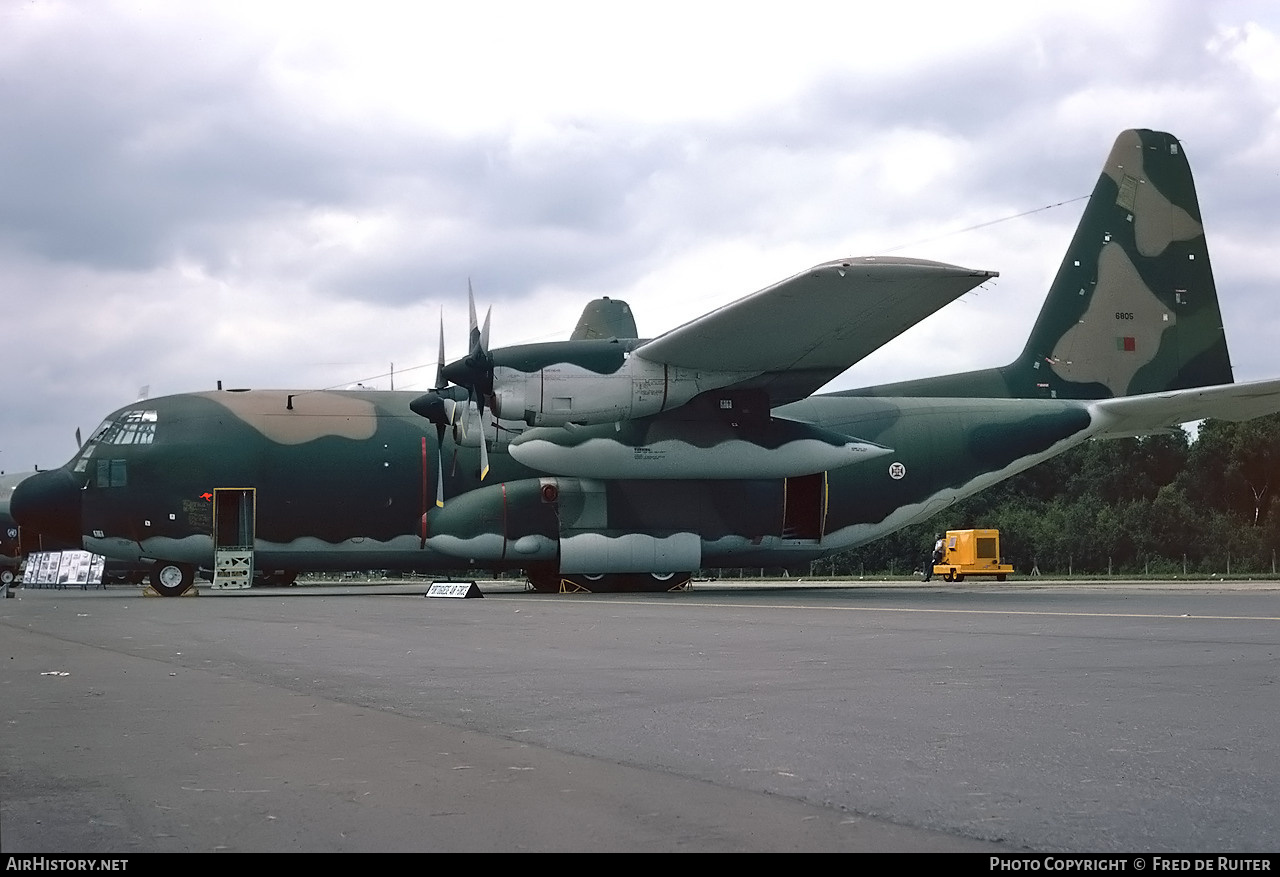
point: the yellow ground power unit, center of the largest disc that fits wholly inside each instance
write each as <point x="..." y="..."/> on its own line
<point x="971" y="553"/>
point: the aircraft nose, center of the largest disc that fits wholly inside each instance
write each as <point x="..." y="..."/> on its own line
<point x="48" y="504"/>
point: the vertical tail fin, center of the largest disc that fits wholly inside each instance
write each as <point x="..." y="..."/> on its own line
<point x="605" y="318"/>
<point x="1133" y="308"/>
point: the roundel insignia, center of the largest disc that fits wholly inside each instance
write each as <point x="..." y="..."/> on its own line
<point x="897" y="471"/>
<point x="13" y="533"/>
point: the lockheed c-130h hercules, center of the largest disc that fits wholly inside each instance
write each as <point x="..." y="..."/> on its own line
<point x="609" y="462"/>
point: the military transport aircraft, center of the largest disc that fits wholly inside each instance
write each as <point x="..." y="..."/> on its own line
<point x="609" y="462"/>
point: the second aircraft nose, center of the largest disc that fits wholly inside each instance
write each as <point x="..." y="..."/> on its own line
<point x="47" y="505"/>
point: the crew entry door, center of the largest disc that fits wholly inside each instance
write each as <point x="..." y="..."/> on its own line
<point x="233" y="537"/>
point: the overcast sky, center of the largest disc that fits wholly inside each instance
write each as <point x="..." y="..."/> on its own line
<point x="289" y="194"/>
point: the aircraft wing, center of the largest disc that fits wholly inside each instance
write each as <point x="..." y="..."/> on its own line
<point x="1158" y="412"/>
<point x="796" y="335"/>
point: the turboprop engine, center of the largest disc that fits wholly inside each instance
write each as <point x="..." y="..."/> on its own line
<point x="595" y="382"/>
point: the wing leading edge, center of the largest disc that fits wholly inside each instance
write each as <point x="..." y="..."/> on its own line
<point x="798" y="334"/>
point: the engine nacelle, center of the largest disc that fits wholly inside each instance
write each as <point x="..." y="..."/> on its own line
<point x="567" y="392"/>
<point x="668" y="448"/>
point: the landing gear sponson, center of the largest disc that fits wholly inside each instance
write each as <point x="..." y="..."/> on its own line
<point x="555" y="582"/>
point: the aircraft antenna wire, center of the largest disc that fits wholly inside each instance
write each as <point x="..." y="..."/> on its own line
<point x="986" y="224"/>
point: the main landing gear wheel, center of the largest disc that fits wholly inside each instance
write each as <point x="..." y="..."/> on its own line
<point x="172" y="579"/>
<point x="6" y="577"/>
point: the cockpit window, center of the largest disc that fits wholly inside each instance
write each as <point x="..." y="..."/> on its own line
<point x="130" y="428"/>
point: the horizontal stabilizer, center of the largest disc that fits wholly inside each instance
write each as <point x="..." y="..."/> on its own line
<point x="1157" y="412"/>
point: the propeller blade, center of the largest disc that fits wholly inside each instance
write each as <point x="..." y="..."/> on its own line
<point x="474" y="372"/>
<point x="440" y="382"/>
<point x="484" y="450"/>
<point x="484" y="437"/>
<point x="460" y="424"/>
<point x="440" y="465"/>
<point x="473" y="335"/>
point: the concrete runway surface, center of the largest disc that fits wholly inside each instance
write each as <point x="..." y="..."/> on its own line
<point x="973" y="717"/>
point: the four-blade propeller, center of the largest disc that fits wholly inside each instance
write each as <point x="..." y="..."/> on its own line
<point x="473" y="373"/>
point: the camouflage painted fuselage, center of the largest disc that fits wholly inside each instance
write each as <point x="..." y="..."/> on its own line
<point x="343" y="481"/>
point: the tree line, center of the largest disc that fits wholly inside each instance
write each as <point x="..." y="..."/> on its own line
<point x="1161" y="505"/>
